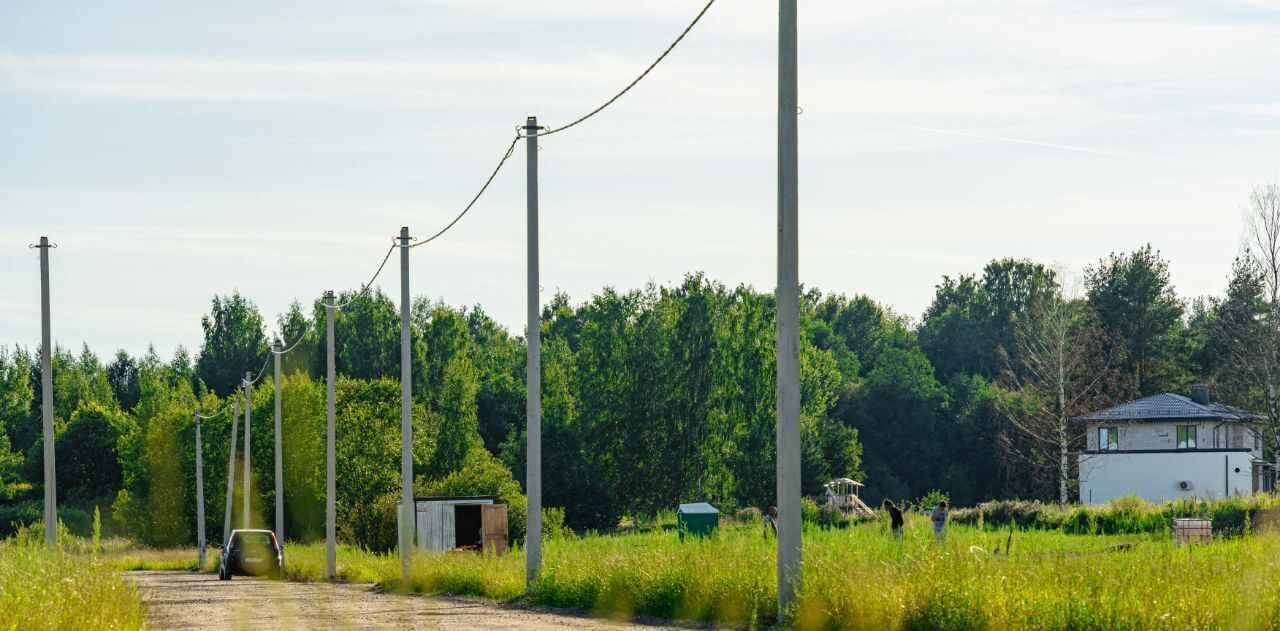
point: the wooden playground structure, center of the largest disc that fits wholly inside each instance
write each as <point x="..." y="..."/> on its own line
<point x="842" y="494"/>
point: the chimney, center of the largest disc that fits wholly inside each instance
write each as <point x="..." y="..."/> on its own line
<point x="1200" y="393"/>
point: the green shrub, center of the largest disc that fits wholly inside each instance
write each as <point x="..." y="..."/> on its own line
<point x="930" y="500"/>
<point x="14" y="516"/>
<point x="749" y="515"/>
<point x="553" y="524"/>
<point x="483" y="474"/>
<point x="1126" y="515"/>
<point x="809" y="511"/>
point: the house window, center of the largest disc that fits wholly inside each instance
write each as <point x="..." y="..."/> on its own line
<point x="1186" y="437"/>
<point x="1108" y="438"/>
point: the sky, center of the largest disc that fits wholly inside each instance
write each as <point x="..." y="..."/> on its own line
<point x="178" y="150"/>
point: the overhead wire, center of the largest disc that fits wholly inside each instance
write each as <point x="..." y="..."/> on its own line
<point x="637" y="79"/>
<point x="505" y="156"/>
<point x="215" y="414"/>
<point x="375" y="276"/>
<point x="363" y="288"/>
<point x="512" y="147"/>
<point x="510" y="150"/>
<point x="261" y="371"/>
<point x="295" y="345"/>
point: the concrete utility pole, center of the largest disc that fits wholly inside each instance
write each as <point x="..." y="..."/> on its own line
<point x="788" y="346"/>
<point x="407" y="509"/>
<point x="248" y="403"/>
<point x="231" y="473"/>
<point x="533" y="368"/>
<point x="330" y="509"/>
<point x="199" y="493"/>
<point x="46" y="402"/>
<point x="279" y="454"/>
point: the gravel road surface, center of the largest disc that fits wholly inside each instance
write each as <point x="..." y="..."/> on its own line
<point x="186" y="600"/>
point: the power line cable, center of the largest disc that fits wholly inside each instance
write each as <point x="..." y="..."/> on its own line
<point x="510" y="150"/>
<point x="505" y="156"/>
<point x="512" y="147"/>
<point x="261" y="371"/>
<point x="295" y="345"/>
<point x="375" y="277"/>
<point x="637" y="79"/>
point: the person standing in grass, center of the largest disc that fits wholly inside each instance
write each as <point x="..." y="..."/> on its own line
<point x="895" y="518"/>
<point x="939" y="518"/>
<point x="771" y="522"/>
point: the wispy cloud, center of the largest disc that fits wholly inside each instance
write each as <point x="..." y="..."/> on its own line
<point x="1022" y="141"/>
<point x="1251" y="109"/>
<point x="1272" y="5"/>
<point x="193" y="78"/>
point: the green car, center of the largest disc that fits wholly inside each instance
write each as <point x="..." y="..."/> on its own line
<point x="251" y="553"/>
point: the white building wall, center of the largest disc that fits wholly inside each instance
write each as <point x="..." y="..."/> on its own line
<point x="1146" y="435"/>
<point x="1155" y="476"/>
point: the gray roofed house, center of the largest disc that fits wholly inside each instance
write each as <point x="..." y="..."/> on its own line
<point x="1167" y="446"/>
<point x="1169" y="406"/>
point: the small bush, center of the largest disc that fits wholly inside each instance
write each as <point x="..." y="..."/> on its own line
<point x="484" y="475"/>
<point x="1126" y="515"/>
<point x="553" y="524"/>
<point x="748" y="515"/>
<point x="809" y="511"/>
<point x="930" y="500"/>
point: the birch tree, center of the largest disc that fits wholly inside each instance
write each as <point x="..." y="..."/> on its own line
<point x="1054" y="372"/>
<point x="1250" y="328"/>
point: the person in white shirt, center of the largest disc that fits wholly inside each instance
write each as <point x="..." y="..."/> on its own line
<point x="939" y="517"/>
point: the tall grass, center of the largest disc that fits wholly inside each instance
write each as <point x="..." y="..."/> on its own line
<point x="52" y="589"/>
<point x="172" y="559"/>
<point x="861" y="578"/>
<point x="123" y="554"/>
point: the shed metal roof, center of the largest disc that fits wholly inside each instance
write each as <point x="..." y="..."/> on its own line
<point x="1168" y="406"/>
<point x="700" y="507"/>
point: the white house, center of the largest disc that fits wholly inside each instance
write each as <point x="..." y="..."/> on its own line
<point x="1167" y="446"/>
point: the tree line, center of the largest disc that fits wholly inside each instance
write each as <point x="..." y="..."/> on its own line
<point x="651" y="397"/>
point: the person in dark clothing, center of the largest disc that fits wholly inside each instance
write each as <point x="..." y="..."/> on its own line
<point x="895" y="518"/>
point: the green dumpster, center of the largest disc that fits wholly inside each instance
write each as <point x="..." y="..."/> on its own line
<point x="699" y="519"/>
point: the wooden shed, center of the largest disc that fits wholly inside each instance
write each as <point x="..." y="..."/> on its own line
<point x="468" y="523"/>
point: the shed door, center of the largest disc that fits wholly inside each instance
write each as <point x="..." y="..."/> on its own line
<point x="431" y="526"/>
<point x="493" y="519"/>
<point x="448" y="538"/>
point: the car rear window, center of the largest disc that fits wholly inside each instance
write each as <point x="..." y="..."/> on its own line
<point x="253" y="539"/>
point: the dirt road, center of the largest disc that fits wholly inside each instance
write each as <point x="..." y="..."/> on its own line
<point x="184" y="600"/>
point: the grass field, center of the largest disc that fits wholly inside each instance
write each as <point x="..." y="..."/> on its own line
<point x="855" y="578"/>
<point x="52" y="589"/>
<point x="860" y="578"/>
